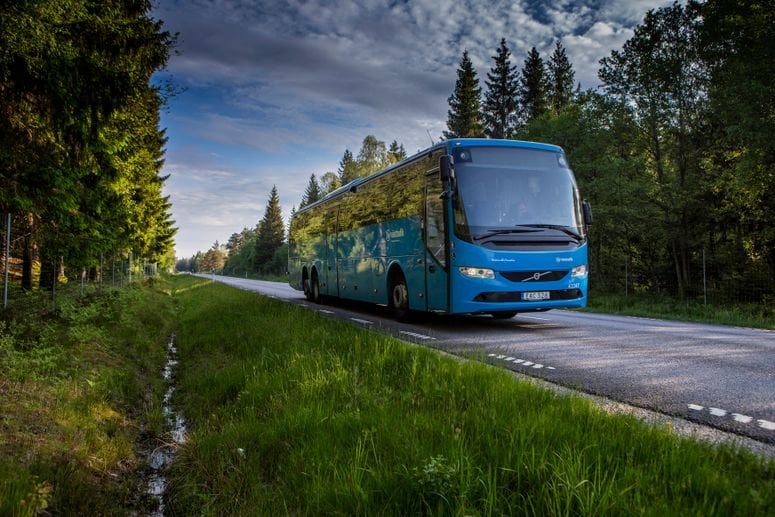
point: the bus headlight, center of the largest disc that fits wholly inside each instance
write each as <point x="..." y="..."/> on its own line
<point x="477" y="272"/>
<point x="579" y="271"/>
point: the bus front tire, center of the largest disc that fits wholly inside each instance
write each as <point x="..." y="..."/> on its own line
<point x="399" y="298"/>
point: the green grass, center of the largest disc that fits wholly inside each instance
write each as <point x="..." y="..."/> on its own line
<point x="293" y="413"/>
<point x="78" y="383"/>
<point x="653" y="306"/>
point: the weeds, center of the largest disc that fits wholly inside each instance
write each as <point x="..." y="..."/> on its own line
<point x="76" y="381"/>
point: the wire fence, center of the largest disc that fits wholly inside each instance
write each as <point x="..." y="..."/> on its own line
<point x="707" y="277"/>
<point x="116" y="270"/>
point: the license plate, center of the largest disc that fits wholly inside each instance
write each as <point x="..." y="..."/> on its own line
<point x="535" y="296"/>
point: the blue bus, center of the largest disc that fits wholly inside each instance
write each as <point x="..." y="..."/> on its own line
<point x="467" y="226"/>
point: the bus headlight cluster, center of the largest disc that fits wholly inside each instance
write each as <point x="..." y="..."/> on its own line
<point x="477" y="272"/>
<point x="579" y="271"/>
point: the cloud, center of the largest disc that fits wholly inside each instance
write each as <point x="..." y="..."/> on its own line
<point x="277" y="90"/>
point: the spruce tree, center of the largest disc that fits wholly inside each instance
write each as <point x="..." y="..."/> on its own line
<point x="532" y="92"/>
<point x="500" y="102"/>
<point x="271" y="232"/>
<point x="348" y="169"/>
<point x="560" y="78"/>
<point x="464" y="118"/>
<point x="312" y="193"/>
<point x="396" y="152"/>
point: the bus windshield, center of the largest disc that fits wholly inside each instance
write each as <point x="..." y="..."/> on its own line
<point x="503" y="189"/>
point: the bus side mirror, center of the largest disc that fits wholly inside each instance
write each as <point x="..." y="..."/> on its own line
<point x="587" y="208"/>
<point x="447" y="173"/>
<point x="445" y="168"/>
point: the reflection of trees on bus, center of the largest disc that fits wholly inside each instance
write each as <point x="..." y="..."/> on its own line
<point x="376" y="218"/>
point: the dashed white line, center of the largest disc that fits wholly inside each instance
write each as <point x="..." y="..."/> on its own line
<point x="766" y="424"/>
<point x="324" y="311"/>
<point x="362" y="322"/>
<point x="737" y="417"/>
<point x="718" y="412"/>
<point x="521" y="362"/>
<point x="418" y="336"/>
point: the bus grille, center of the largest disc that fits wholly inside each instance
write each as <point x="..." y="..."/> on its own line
<point x="534" y="276"/>
<point x="516" y="296"/>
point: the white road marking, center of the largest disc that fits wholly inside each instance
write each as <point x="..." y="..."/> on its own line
<point x="534" y="318"/>
<point x="528" y="363"/>
<point x="742" y="418"/>
<point x="538" y="366"/>
<point x="551" y="368"/>
<point x="766" y="424"/>
<point x="518" y="361"/>
<point x="363" y="322"/>
<point x="509" y="359"/>
<point x="415" y="334"/>
<point x="718" y="412"/>
<point x="695" y="407"/>
<point x="490" y="355"/>
<point x="324" y="311"/>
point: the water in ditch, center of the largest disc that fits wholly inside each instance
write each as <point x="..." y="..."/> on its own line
<point x="164" y="453"/>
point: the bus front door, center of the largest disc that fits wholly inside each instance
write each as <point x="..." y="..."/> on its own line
<point x="436" y="263"/>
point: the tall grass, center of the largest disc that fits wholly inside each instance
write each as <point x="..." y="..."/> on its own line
<point x="652" y="306"/>
<point x="292" y="413"/>
<point x="78" y="382"/>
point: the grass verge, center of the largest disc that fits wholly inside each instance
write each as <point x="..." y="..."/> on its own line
<point x="292" y="413"/>
<point x="79" y="381"/>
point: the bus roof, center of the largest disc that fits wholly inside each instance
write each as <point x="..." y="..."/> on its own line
<point x="449" y="145"/>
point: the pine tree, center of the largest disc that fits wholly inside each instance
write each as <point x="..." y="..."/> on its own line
<point x="532" y="94"/>
<point x="500" y="102"/>
<point x="464" y="118"/>
<point x="560" y="78"/>
<point x="271" y="232"/>
<point x="348" y="169"/>
<point x="312" y="193"/>
<point x="396" y="152"/>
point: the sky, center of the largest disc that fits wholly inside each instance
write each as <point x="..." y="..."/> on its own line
<point x="270" y="92"/>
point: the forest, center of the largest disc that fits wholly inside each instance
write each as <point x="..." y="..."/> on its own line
<point x="674" y="150"/>
<point x="81" y="149"/>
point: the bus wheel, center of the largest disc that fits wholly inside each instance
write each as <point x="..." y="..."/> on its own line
<point x="503" y="315"/>
<point x="314" y="295"/>
<point x="305" y="285"/>
<point x="399" y="297"/>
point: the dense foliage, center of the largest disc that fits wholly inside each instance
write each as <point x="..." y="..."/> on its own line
<point x="675" y="151"/>
<point x="80" y="143"/>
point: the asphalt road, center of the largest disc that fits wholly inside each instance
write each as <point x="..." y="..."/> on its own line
<point x="723" y="377"/>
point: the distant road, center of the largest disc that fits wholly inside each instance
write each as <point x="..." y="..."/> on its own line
<point x="716" y="375"/>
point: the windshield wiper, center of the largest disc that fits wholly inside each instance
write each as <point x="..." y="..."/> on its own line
<point x="503" y="231"/>
<point x="566" y="230"/>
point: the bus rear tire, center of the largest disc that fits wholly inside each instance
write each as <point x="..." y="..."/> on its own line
<point x="503" y="315"/>
<point x="399" y="297"/>
<point x="314" y="296"/>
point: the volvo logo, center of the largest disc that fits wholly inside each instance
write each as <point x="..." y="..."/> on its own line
<point x="536" y="276"/>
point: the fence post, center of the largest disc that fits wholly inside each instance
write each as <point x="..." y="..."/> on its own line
<point x="7" y="257"/>
<point x="704" y="280"/>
